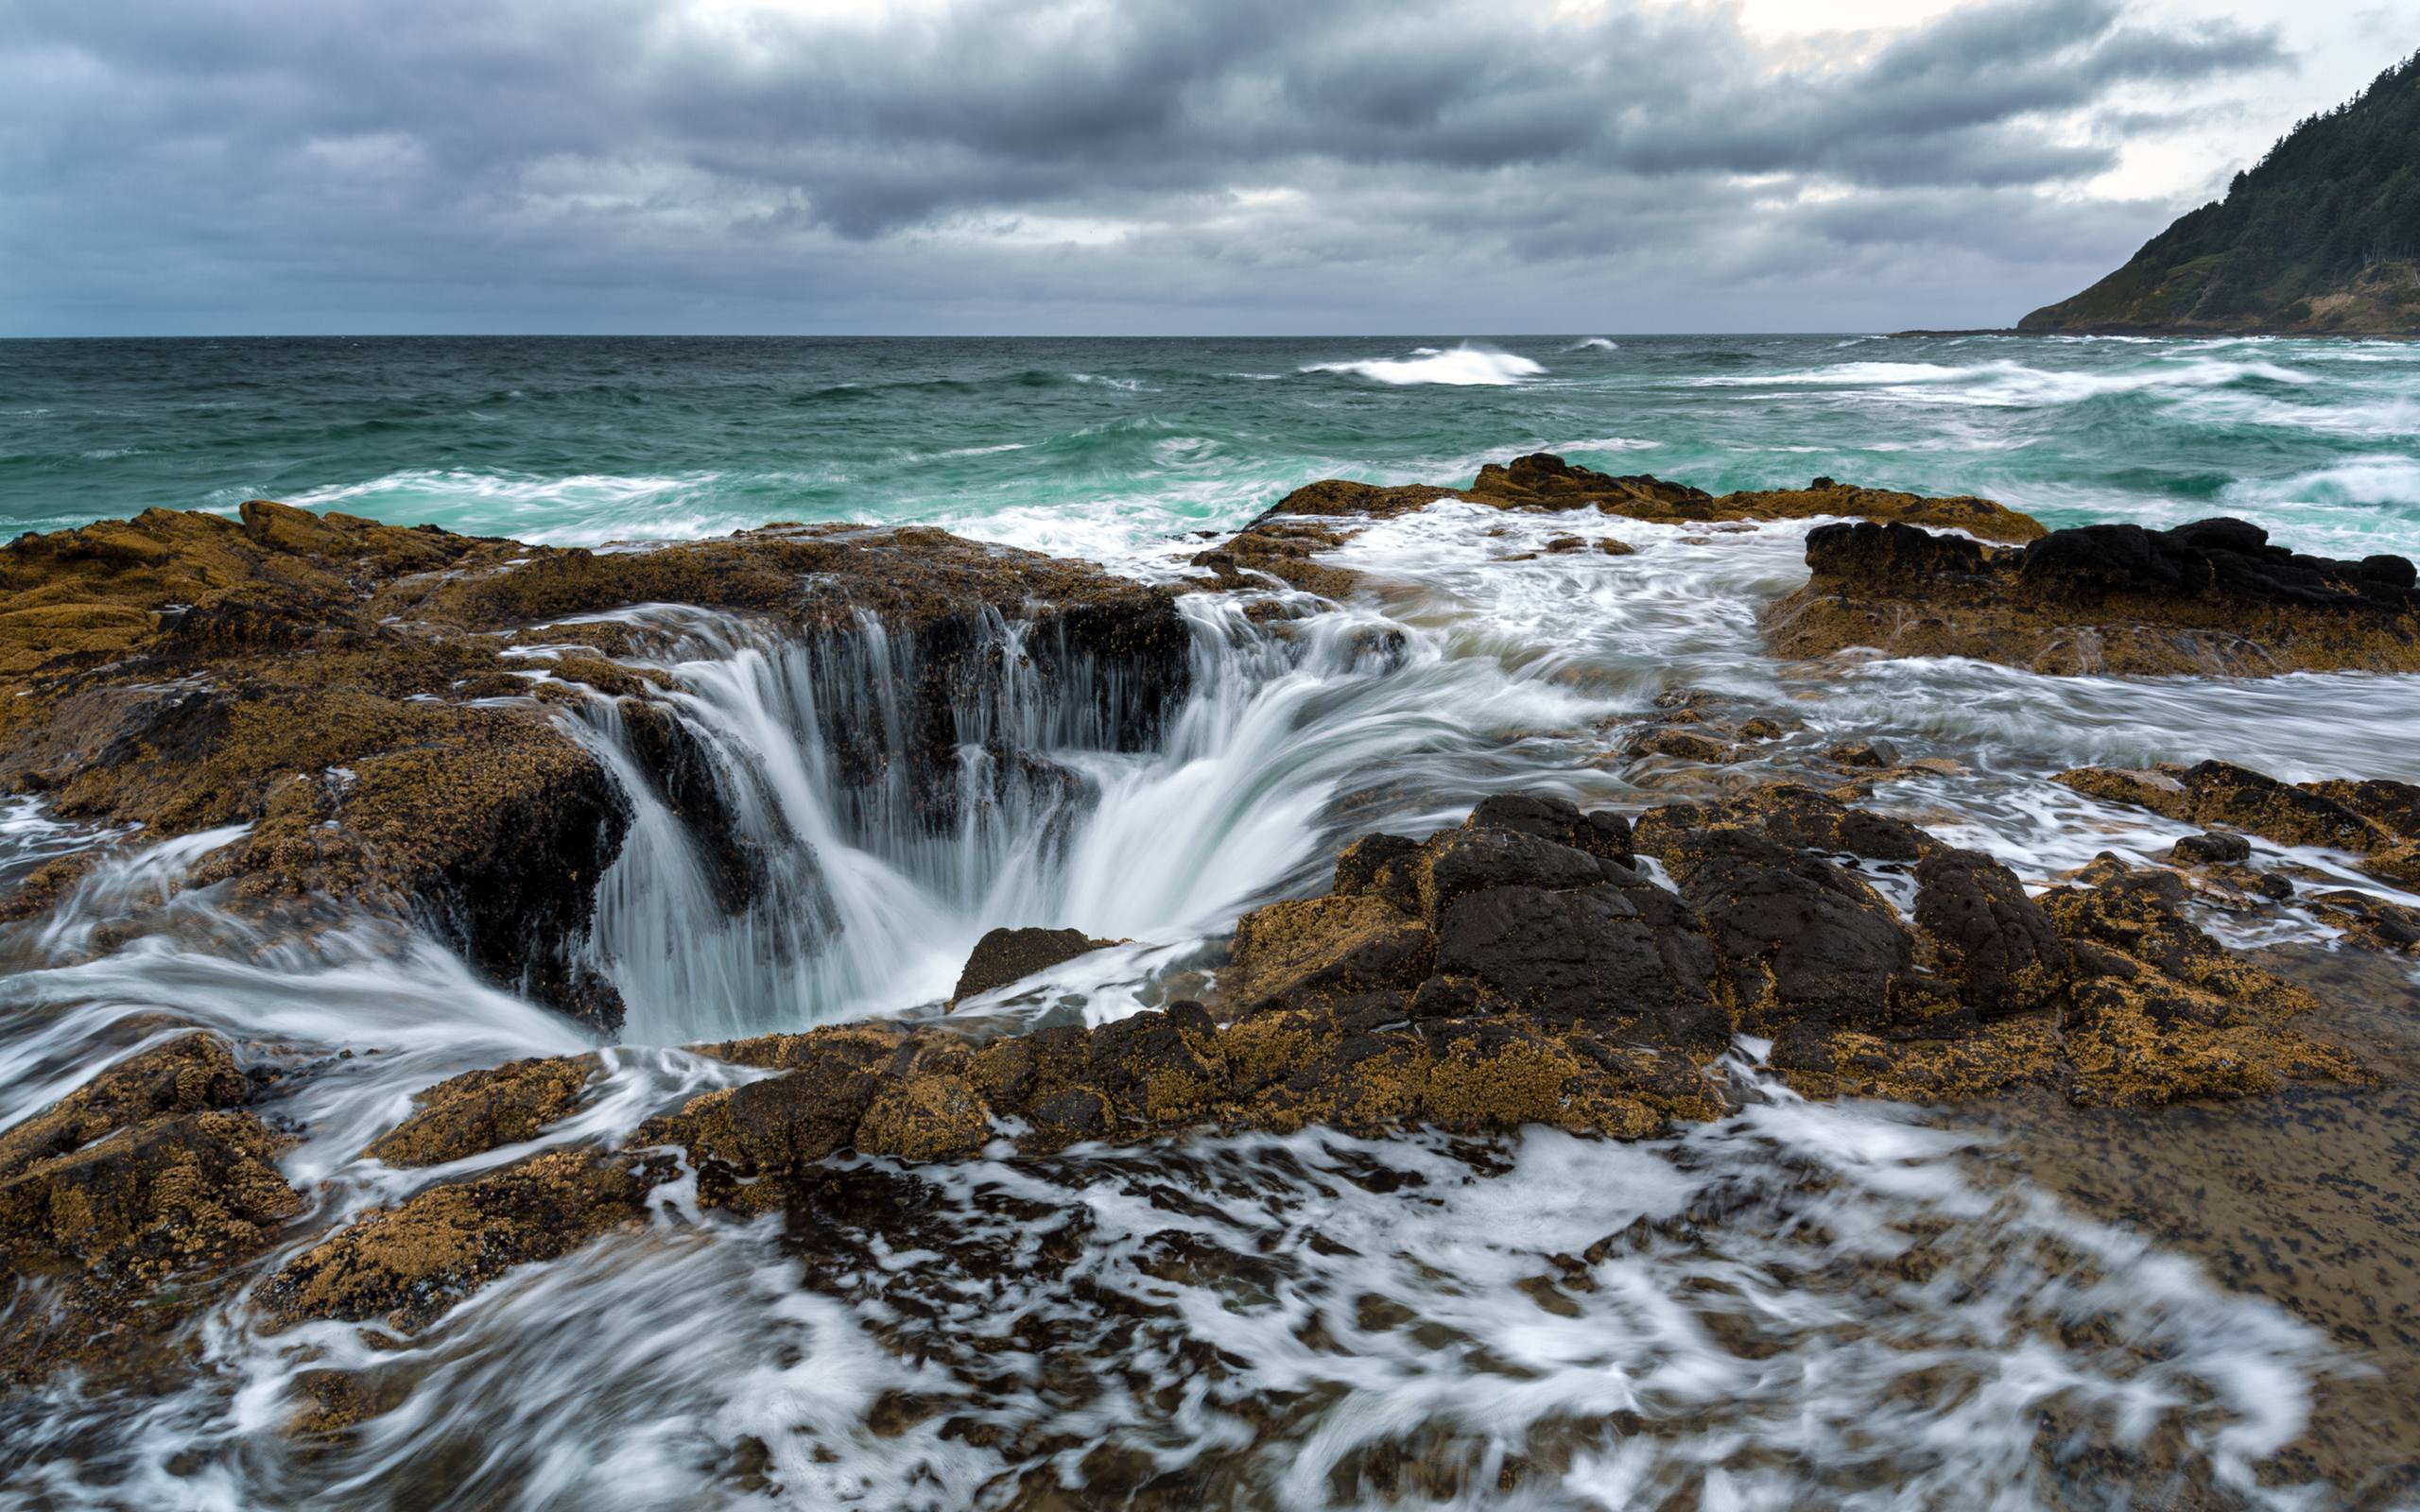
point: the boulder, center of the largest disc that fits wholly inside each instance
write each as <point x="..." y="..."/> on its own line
<point x="1992" y="941"/>
<point x="2213" y="596"/>
<point x="1583" y="956"/>
<point x="1006" y="955"/>
<point x="482" y="1110"/>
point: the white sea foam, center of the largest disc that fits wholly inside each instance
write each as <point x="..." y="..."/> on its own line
<point x="1774" y="1359"/>
<point x="2007" y="383"/>
<point x="1607" y="444"/>
<point x="1464" y="365"/>
<point x="1342" y="1309"/>
<point x="2393" y="479"/>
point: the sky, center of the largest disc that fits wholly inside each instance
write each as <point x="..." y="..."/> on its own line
<point x="1122" y="167"/>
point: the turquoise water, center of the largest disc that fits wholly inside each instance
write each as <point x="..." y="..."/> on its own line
<point x="1104" y="446"/>
<point x="1790" y="1358"/>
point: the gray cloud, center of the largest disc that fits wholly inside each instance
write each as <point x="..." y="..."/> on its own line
<point x="1257" y="163"/>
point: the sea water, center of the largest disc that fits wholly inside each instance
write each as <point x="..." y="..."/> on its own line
<point x="1802" y="1305"/>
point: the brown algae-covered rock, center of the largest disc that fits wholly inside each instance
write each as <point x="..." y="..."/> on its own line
<point x="1484" y="978"/>
<point x="342" y="687"/>
<point x="1006" y="955"/>
<point x="2370" y="819"/>
<point x="481" y="1111"/>
<point x="1284" y="542"/>
<point x="151" y="1167"/>
<point x="407" y="1265"/>
<point x="127" y="1204"/>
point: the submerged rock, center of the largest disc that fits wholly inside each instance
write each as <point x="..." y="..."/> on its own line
<point x="2213" y="596"/>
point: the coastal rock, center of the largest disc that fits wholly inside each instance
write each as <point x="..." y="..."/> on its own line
<point x="406" y="1265"/>
<point x="150" y="1199"/>
<point x="1545" y="480"/>
<point x="1326" y="945"/>
<point x="188" y="1074"/>
<point x="1598" y="833"/>
<point x="344" y="689"/>
<point x="1284" y="544"/>
<point x="2370" y="819"/>
<point x="1006" y="955"/>
<point x="2161" y="1011"/>
<point x="1486" y="977"/>
<point x="1801" y="939"/>
<point x="2213" y="596"/>
<point x="481" y="1111"/>
<point x="151" y="1167"/>
<point x="127" y="1202"/>
<point x="1989" y="938"/>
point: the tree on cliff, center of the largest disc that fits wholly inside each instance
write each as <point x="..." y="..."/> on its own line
<point x="2322" y="234"/>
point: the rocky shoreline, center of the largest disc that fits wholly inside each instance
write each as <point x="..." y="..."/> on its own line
<point x="389" y="716"/>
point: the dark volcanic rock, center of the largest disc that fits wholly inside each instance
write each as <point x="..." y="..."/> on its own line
<point x="1877" y="553"/>
<point x="1482" y="978"/>
<point x="1549" y="817"/>
<point x="1582" y="955"/>
<point x="1460" y="862"/>
<point x="1995" y="942"/>
<point x="2209" y="596"/>
<point x="1006" y="955"/>
<point x="2212" y="848"/>
<point x="1800" y="938"/>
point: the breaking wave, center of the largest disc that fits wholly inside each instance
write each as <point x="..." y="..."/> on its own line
<point x="1464" y="365"/>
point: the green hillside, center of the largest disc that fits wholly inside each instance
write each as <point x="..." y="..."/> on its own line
<point x="2321" y="235"/>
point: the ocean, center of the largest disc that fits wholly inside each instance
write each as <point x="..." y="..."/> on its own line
<point x="1845" y="1305"/>
<point x="1098" y="446"/>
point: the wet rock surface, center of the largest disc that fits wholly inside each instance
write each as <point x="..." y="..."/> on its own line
<point x="381" y="706"/>
<point x="2213" y="596"/>
<point x="407" y="1265"/>
<point x="1006" y="955"/>
<point x="479" y="1111"/>
<point x="127" y="1203"/>
<point x="1539" y="968"/>
<point x="1285" y="543"/>
<point x="1525" y="968"/>
<point x="2373" y="820"/>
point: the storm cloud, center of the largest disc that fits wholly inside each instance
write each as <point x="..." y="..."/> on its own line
<point x="1148" y="165"/>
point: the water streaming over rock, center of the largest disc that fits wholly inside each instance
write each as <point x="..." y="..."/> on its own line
<point x="1806" y="1304"/>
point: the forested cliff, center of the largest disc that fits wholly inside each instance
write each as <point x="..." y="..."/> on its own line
<point x="2321" y="235"/>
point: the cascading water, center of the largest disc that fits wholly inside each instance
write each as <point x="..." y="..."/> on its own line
<point x="868" y="894"/>
<point x="1807" y="1303"/>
